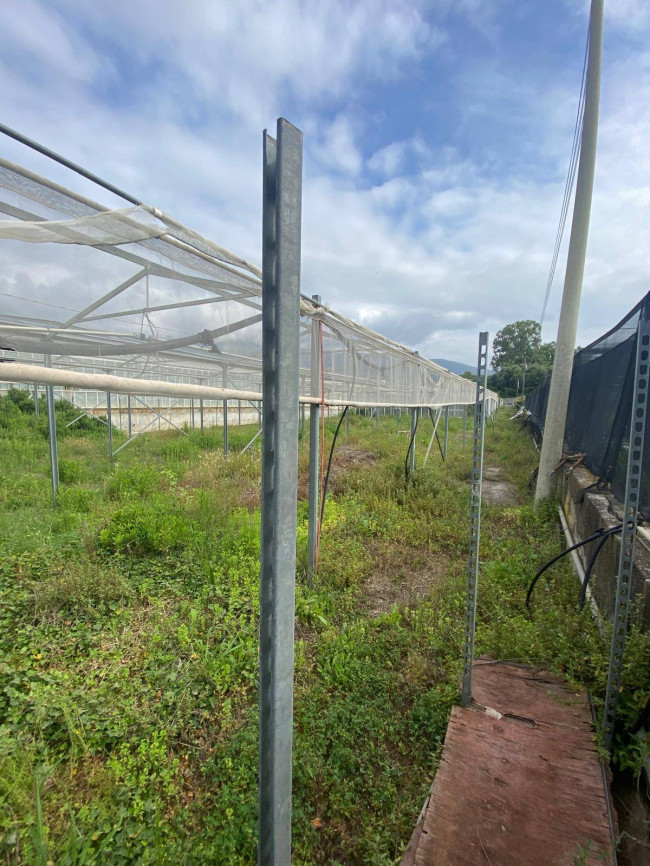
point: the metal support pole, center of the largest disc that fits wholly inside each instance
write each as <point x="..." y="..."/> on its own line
<point x="628" y="535"/>
<point x="558" y="398"/>
<point x="464" y="423"/>
<point x="201" y="413"/>
<point x="36" y="406"/>
<point x="314" y="424"/>
<point x="225" y="428"/>
<point x="192" y="413"/>
<point x="302" y="420"/>
<point x="444" y="446"/>
<point x="109" y="419"/>
<point x="280" y="372"/>
<point x="475" y="518"/>
<point x="414" y="423"/>
<point x="128" y="413"/>
<point x="51" y="431"/>
<point x="433" y="436"/>
<point x="239" y="412"/>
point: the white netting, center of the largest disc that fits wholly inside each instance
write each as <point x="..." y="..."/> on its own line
<point x="133" y="293"/>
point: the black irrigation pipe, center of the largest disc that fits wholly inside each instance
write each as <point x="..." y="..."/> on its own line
<point x="329" y="466"/>
<point x="411" y="445"/>
<point x="598" y="534"/>
<point x="592" y="562"/>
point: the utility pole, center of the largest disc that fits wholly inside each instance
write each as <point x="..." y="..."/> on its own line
<point x="558" y="398"/>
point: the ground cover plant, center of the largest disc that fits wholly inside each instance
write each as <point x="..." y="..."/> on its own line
<point x="128" y="638"/>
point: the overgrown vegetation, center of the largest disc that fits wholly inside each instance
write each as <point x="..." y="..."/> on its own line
<point x="128" y="632"/>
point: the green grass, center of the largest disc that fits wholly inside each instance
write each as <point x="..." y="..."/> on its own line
<point x="128" y="640"/>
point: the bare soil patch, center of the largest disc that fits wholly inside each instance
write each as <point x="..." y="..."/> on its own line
<point x="345" y="458"/>
<point x="496" y="491"/>
<point x="403" y="576"/>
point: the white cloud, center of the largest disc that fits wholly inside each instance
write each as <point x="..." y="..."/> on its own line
<point x="426" y="244"/>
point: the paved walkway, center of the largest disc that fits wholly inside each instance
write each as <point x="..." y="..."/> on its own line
<point x="520" y="783"/>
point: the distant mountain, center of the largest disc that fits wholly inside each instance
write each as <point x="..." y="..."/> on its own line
<point x="455" y="366"/>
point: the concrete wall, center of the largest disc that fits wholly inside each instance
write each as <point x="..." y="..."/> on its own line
<point x="589" y="510"/>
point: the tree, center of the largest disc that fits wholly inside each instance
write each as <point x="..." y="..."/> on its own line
<point x="516" y="344"/>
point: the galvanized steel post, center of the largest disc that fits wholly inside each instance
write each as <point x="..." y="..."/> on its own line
<point x="475" y="518"/>
<point x="109" y="419"/>
<point x="628" y="535"/>
<point x="201" y="413"/>
<point x="414" y="425"/>
<point x="128" y="413"/>
<point x="225" y="428"/>
<point x="51" y="431"/>
<point x="314" y="419"/>
<point x="36" y="406"/>
<point x="444" y="447"/>
<point x="280" y="371"/>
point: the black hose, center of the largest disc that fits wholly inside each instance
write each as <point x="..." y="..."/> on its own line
<point x="592" y="562"/>
<point x="411" y="445"/>
<point x="329" y="465"/>
<point x="597" y="534"/>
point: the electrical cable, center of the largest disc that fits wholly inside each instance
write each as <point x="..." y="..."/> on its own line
<point x="598" y="534"/>
<point x="329" y="465"/>
<point x="571" y="174"/>
<point x="592" y="561"/>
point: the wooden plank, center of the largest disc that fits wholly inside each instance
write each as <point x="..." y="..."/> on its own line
<point x="519" y="784"/>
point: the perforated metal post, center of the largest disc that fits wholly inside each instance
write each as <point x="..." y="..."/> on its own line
<point x="475" y="518"/>
<point x="628" y="535"/>
<point x="280" y="371"/>
<point x="314" y="423"/>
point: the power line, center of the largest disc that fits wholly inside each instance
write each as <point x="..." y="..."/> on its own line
<point x="571" y="175"/>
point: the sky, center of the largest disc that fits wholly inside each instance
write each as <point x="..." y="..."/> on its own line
<point x="437" y="139"/>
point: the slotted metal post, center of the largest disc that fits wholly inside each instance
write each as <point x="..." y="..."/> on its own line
<point x="444" y="447"/>
<point x="225" y="428"/>
<point x="475" y="518"/>
<point x="280" y="371"/>
<point x="628" y="535"/>
<point x="109" y="419"/>
<point x="314" y="446"/>
<point x="51" y="430"/>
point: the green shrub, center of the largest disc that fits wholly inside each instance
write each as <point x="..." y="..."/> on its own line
<point x="137" y="481"/>
<point x="77" y="499"/>
<point x="146" y="528"/>
<point x="70" y="471"/>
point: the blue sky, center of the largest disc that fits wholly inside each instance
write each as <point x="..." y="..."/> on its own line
<point x="437" y="138"/>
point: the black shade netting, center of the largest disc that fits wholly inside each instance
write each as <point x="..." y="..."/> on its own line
<point x="600" y="405"/>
